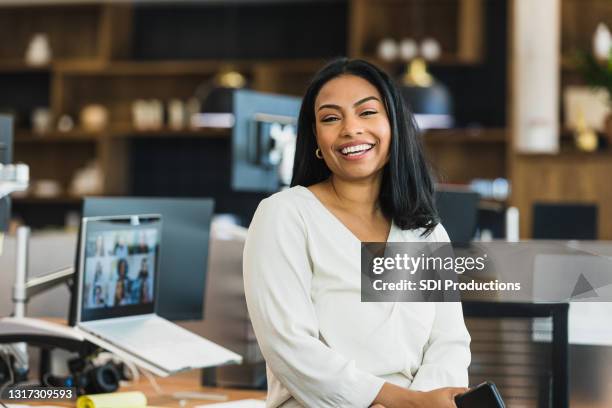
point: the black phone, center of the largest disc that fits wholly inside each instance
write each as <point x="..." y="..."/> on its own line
<point x="484" y="395"/>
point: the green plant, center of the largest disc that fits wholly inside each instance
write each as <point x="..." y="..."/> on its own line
<point x="597" y="73"/>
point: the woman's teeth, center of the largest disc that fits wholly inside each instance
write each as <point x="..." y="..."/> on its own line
<point x="355" y="150"/>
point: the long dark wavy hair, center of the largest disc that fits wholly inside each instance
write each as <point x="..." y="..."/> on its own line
<point x="407" y="190"/>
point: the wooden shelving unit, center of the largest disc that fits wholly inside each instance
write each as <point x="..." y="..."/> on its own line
<point x="94" y="62"/>
<point x="466" y="136"/>
<point x="571" y="175"/>
<point x="26" y="137"/>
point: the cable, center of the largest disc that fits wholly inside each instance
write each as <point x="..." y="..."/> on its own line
<point x="152" y="381"/>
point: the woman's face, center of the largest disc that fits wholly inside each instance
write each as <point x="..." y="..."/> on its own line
<point x="352" y="127"/>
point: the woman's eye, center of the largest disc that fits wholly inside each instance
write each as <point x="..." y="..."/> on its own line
<point x="329" y="119"/>
<point x="368" y="113"/>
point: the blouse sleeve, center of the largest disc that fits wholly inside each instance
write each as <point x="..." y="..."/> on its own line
<point x="447" y="353"/>
<point x="277" y="279"/>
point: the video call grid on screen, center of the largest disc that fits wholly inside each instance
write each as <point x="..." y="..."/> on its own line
<point x="119" y="267"/>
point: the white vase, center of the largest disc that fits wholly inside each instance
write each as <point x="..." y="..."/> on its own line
<point x="39" y="50"/>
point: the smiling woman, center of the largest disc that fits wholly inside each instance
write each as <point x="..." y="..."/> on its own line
<point x="359" y="176"/>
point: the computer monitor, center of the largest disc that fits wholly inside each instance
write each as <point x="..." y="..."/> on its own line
<point x="6" y="157"/>
<point x="564" y="221"/>
<point x="263" y="140"/>
<point x="184" y="254"/>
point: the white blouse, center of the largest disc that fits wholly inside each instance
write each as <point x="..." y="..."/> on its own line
<point x="323" y="346"/>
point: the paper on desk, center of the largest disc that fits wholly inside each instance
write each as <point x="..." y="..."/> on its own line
<point x="247" y="403"/>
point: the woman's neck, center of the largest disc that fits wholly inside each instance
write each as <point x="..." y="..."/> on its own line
<point x="361" y="197"/>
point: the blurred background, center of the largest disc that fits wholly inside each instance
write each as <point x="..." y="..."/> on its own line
<point x="104" y="94"/>
<point x="131" y="98"/>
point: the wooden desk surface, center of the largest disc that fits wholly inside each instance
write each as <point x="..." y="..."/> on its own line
<point x="184" y="382"/>
<point x="189" y="382"/>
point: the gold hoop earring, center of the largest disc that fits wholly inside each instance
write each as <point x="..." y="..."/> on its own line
<point x="318" y="153"/>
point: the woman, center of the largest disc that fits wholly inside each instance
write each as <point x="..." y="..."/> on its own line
<point x="122" y="287"/>
<point x="143" y="279"/>
<point x="359" y="175"/>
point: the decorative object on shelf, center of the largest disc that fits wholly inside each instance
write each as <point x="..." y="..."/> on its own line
<point x="94" y="118"/>
<point x="408" y="49"/>
<point x="216" y="94"/>
<point x="192" y="110"/>
<point x="147" y="114"/>
<point x="585" y="137"/>
<point x="591" y="105"/>
<point x="388" y="50"/>
<point x="88" y="180"/>
<point x="216" y="100"/>
<point x="46" y="188"/>
<point x="431" y="49"/>
<point x="602" y="42"/>
<point x="177" y="114"/>
<point x="41" y="120"/>
<point x="38" y="52"/>
<point x="65" y="123"/>
<point x="596" y="68"/>
<point x="429" y="99"/>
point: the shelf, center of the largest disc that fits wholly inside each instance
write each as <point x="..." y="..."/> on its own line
<point x="466" y="135"/>
<point x="446" y="60"/>
<point x="25" y="137"/>
<point x="68" y="200"/>
<point x="183" y="67"/>
<point x="19" y="66"/>
<point x="567" y="153"/>
<point x="187" y="132"/>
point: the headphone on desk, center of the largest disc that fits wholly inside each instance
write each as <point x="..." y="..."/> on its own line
<point x="88" y="378"/>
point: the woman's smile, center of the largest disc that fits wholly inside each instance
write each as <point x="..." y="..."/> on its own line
<point x="355" y="150"/>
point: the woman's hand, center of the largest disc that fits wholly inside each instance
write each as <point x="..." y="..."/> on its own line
<point x="439" y="398"/>
<point x="393" y="396"/>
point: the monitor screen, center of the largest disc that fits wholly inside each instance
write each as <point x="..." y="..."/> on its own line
<point x="184" y="253"/>
<point x="6" y="157"/>
<point x="117" y="272"/>
<point x="263" y="140"/>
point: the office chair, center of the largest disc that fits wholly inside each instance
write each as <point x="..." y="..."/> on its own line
<point x="564" y="221"/>
<point x="458" y="211"/>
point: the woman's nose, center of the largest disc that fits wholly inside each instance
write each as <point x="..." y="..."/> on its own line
<point x="352" y="127"/>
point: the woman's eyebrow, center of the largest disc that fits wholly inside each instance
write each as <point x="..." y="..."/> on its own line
<point x="359" y="102"/>
<point x="364" y="100"/>
<point x="329" y="105"/>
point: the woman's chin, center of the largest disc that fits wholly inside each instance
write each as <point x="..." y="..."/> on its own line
<point x="359" y="173"/>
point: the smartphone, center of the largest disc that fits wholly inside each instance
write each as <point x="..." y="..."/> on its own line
<point x="484" y="395"/>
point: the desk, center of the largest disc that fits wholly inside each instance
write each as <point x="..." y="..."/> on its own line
<point x="181" y="382"/>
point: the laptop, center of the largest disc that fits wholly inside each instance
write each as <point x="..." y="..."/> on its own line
<point x="117" y="279"/>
